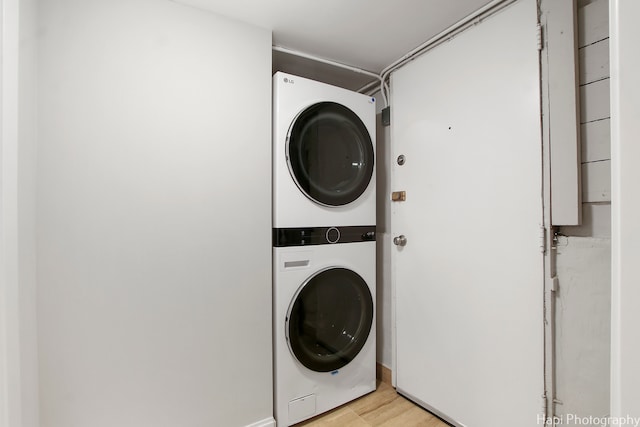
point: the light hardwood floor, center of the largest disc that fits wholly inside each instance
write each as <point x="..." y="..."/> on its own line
<point x="382" y="408"/>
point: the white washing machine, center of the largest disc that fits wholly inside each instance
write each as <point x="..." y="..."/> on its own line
<point x="323" y="154"/>
<point x="324" y="322"/>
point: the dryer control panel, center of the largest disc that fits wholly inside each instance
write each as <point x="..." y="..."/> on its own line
<point x="304" y="236"/>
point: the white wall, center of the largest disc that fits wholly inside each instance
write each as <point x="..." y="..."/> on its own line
<point x="625" y="109"/>
<point x="384" y="303"/>
<point x="583" y="326"/>
<point x="18" y="353"/>
<point x="27" y="170"/>
<point x="10" y="405"/>
<point x="154" y="240"/>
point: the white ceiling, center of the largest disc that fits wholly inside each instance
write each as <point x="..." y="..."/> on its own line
<point x="368" y="34"/>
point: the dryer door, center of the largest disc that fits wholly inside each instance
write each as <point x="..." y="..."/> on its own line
<point x="330" y="319"/>
<point x="330" y="154"/>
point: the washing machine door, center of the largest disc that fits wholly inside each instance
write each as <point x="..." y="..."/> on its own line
<point x="330" y="154"/>
<point x="330" y="319"/>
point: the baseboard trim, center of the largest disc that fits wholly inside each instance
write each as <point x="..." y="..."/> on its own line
<point x="267" y="422"/>
<point x="383" y="373"/>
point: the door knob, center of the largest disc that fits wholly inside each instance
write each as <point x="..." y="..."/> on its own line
<point x="400" y="240"/>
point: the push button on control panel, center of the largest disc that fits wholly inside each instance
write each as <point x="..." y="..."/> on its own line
<point x="369" y="236"/>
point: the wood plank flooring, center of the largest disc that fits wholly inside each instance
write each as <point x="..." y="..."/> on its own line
<point x="382" y="408"/>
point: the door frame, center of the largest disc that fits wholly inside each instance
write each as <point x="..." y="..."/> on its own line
<point x="625" y="206"/>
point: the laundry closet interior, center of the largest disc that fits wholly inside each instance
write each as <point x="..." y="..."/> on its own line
<point x="236" y="214"/>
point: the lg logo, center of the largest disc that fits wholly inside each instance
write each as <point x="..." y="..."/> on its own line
<point x="287" y="80"/>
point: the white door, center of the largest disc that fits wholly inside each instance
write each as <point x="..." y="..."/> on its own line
<point x="469" y="281"/>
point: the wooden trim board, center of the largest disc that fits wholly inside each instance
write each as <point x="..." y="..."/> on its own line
<point x="383" y="373"/>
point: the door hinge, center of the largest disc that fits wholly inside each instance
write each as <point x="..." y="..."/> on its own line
<point x="539" y="36"/>
<point x="543" y="239"/>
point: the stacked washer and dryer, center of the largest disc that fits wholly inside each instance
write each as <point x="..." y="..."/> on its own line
<point x="324" y="249"/>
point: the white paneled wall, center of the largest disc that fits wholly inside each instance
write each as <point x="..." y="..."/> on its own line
<point x="595" y="120"/>
<point x="583" y="306"/>
<point x="595" y="115"/>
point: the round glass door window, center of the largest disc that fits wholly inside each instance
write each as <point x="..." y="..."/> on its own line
<point x="330" y="154"/>
<point x="330" y="319"/>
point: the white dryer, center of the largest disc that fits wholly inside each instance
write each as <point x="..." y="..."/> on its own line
<point x="323" y="154"/>
<point x="324" y="322"/>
